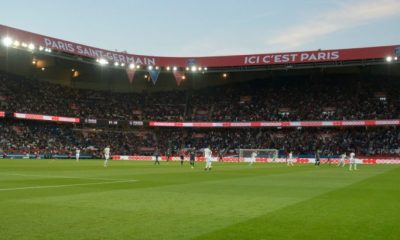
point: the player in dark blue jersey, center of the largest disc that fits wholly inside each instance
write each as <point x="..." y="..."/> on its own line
<point x="157" y="154"/>
<point x="168" y="154"/>
<point x="192" y="157"/>
<point x="182" y="156"/>
<point x="317" y="158"/>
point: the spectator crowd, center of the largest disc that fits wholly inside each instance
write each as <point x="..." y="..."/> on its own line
<point x="39" y="137"/>
<point x="334" y="98"/>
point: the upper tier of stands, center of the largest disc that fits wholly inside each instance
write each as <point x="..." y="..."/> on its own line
<point x="333" y="98"/>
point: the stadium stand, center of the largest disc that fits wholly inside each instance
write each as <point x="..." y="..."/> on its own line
<point x="301" y="99"/>
<point x="34" y="137"/>
<point x="338" y="98"/>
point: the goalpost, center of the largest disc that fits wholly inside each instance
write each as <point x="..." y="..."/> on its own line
<point x="246" y="154"/>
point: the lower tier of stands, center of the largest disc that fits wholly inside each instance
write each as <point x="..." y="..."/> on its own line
<point x="35" y="137"/>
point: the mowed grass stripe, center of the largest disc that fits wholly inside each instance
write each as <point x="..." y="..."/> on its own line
<point x="368" y="209"/>
<point x="64" y="185"/>
<point x="168" y="202"/>
<point x="93" y="170"/>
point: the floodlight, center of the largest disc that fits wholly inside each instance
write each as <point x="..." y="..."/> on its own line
<point x="102" y="61"/>
<point x="7" y="41"/>
<point x="31" y="46"/>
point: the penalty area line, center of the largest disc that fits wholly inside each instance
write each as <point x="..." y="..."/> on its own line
<point x="64" y="185"/>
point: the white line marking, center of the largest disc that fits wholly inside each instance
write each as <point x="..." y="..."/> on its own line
<point x="49" y="176"/>
<point x="65" y="185"/>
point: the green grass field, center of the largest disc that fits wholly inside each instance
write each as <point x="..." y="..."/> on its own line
<point x="62" y="199"/>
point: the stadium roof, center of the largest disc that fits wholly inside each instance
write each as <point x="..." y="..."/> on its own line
<point x="20" y="38"/>
<point x="79" y="66"/>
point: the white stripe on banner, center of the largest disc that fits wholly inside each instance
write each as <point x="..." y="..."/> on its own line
<point x="295" y="124"/>
<point x="387" y="122"/>
<point x="20" y="115"/>
<point x="271" y="124"/>
<point x="327" y="123"/>
<point x="353" y="123"/>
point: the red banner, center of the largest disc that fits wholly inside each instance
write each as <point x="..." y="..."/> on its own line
<point x="179" y="76"/>
<point x="2" y="114"/>
<point x="390" y="122"/>
<point x="46" y="118"/>
<point x="220" y="61"/>
<point x="131" y="74"/>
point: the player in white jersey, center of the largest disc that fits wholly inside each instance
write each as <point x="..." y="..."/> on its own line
<point x="290" y="159"/>
<point x="106" y="155"/>
<point x="208" y="158"/>
<point x="253" y="158"/>
<point x="342" y="161"/>
<point x="77" y="154"/>
<point x="353" y="161"/>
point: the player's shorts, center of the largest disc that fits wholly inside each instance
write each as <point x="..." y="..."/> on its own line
<point x="208" y="162"/>
<point x="107" y="157"/>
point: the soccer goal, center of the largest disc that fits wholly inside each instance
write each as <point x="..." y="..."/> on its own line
<point x="246" y="154"/>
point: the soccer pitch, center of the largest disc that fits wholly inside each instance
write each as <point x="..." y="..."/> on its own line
<point x="62" y="199"/>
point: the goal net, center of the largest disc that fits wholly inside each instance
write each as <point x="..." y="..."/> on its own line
<point x="246" y="154"/>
